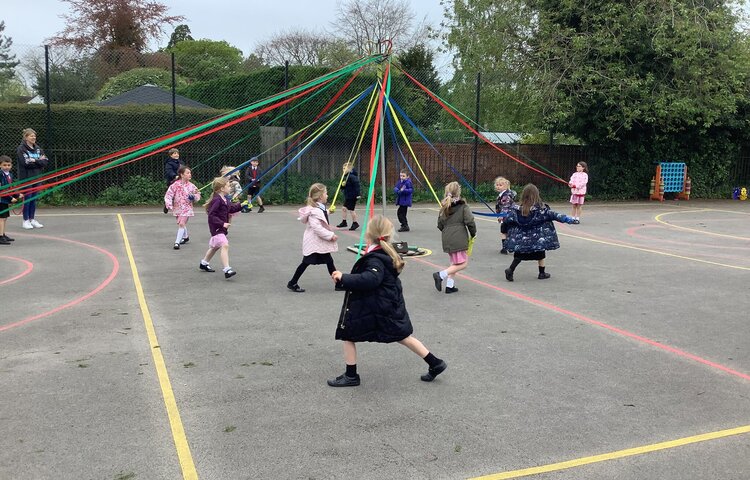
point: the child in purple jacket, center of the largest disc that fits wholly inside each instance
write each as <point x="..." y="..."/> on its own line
<point x="219" y="211"/>
<point x="403" y="191"/>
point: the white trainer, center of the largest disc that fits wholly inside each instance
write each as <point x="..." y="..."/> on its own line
<point x="36" y="224"/>
<point x="27" y="225"/>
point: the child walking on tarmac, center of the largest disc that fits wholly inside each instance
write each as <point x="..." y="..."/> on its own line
<point x="319" y="240"/>
<point x="374" y="309"/>
<point x="403" y="191"/>
<point x="531" y="231"/>
<point x="456" y="223"/>
<point x="179" y="198"/>
<point x="351" y="188"/>
<point x="219" y="210"/>
<point x="503" y="204"/>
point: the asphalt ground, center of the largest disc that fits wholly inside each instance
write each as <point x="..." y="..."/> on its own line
<point x="630" y="362"/>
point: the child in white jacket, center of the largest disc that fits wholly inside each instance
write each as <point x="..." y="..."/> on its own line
<point x="319" y="240"/>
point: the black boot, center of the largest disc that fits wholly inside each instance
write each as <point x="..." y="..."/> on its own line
<point x="503" y="250"/>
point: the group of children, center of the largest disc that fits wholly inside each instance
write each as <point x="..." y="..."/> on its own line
<point x="374" y="309"/>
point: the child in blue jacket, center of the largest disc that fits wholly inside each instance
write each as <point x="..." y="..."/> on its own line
<point x="403" y="191"/>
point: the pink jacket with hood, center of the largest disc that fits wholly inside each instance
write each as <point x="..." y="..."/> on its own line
<point x="318" y="233"/>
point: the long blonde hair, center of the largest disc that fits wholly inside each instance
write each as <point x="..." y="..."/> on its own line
<point x="216" y="186"/>
<point x="529" y="197"/>
<point x="379" y="232"/>
<point x="315" y="193"/>
<point x="452" y="195"/>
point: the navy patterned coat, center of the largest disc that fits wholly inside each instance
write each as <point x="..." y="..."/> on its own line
<point x="535" y="232"/>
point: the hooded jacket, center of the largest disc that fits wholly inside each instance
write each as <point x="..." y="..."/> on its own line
<point x="318" y="233"/>
<point x="534" y="232"/>
<point x="457" y="227"/>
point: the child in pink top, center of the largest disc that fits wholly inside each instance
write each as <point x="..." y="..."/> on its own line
<point x="179" y="198"/>
<point x="319" y="240"/>
<point x="577" y="186"/>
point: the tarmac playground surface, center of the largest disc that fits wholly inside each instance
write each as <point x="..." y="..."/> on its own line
<point x="119" y="359"/>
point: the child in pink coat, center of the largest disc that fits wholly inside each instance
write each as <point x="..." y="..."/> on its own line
<point x="319" y="240"/>
<point x="577" y="186"/>
<point x="179" y="198"/>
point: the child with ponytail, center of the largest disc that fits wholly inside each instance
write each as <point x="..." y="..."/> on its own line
<point x="457" y="225"/>
<point x="374" y="309"/>
<point x="219" y="210"/>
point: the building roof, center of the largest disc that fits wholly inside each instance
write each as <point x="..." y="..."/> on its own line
<point x="150" y="95"/>
<point x="503" y="137"/>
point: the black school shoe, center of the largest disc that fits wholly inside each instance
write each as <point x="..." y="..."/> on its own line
<point x="165" y="210"/>
<point x="438" y="281"/>
<point x="543" y="276"/>
<point x="229" y="273"/>
<point x="434" y="372"/>
<point x="261" y="209"/>
<point x="344" y="381"/>
<point x="294" y="287"/>
<point x="404" y="228"/>
<point x="342" y="224"/>
<point x="509" y="274"/>
<point x="354" y="226"/>
<point x="176" y="246"/>
<point x="8" y="239"/>
<point x="206" y="268"/>
<point x="451" y="289"/>
<point x="184" y="240"/>
<point x="3" y="241"/>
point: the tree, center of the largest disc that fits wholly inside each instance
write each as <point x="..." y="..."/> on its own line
<point x="362" y="23"/>
<point x="298" y="47"/>
<point x="180" y="34"/>
<point x="8" y="61"/>
<point x="137" y="77"/>
<point x="418" y="62"/>
<point x="200" y="60"/>
<point x="113" y="24"/>
<point x="653" y="80"/>
<point x="70" y="81"/>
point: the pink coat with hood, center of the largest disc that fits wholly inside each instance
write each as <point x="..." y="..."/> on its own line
<point x="318" y="233"/>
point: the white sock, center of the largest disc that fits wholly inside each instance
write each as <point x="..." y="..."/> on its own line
<point x="204" y="262"/>
<point x="227" y="268"/>
<point x="180" y="234"/>
<point x="186" y="234"/>
<point x="443" y="274"/>
<point x="449" y="283"/>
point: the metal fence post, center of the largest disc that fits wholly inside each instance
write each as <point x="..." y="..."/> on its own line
<point x="286" y="133"/>
<point x="476" y="139"/>
<point x="49" y="137"/>
<point x="174" y="97"/>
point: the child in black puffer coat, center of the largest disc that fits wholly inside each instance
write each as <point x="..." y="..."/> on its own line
<point x="531" y="231"/>
<point x="374" y="309"/>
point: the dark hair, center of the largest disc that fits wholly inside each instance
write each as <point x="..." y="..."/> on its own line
<point x="173" y="150"/>
<point x="182" y="169"/>
<point x="405" y="172"/>
<point x="585" y="167"/>
<point x="5" y="159"/>
<point x="529" y="198"/>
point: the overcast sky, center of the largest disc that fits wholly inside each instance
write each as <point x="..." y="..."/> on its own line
<point x="242" y="23"/>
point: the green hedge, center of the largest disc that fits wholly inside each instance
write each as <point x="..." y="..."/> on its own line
<point x="82" y="132"/>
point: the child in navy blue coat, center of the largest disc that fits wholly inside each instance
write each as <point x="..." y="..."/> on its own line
<point x="403" y="191"/>
<point x="531" y="231"/>
<point x="374" y="309"/>
<point x="351" y="187"/>
<point x="219" y="210"/>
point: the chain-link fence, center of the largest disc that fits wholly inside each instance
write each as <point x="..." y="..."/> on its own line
<point x="82" y="110"/>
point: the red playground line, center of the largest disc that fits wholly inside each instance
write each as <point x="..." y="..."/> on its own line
<point x="29" y="268"/>
<point x="76" y="301"/>
<point x="582" y="318"/>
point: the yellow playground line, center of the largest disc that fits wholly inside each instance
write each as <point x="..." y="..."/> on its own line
<point x="629" y="452"/>
<point x="175" y="422"/>
<point x="670" y="225"/>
